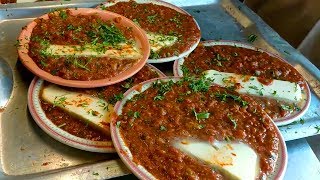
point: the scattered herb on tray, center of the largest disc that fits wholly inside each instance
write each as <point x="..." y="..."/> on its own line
<point x="317" y="127"/>
<point x="252" y="38"/>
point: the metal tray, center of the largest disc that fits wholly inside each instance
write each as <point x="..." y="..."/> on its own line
<point x="27" y="152"/>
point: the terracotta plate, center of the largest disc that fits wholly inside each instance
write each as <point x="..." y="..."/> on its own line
<point x="140" y="36"/>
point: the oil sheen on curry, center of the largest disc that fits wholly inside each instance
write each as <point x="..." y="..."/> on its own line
<point x="85" y="112"/>
<point x="170" y="32"/>
<point x="152" y="122"/>
<point x="82" y="47"/>
<point x="274" y="84"/>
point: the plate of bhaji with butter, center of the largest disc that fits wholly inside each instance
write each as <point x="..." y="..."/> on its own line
<point x="271" y="81"/>
<point x="80" y="117"/>
<point x="172" y="32"/>
<point x="171" y="128"/>
<point x="83" y="47"/>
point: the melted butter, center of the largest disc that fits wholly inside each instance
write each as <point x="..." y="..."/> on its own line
<point x="229" y="158"/>
<point x="158" y="41"/>
<point x="94" y="111"/>
<point x="121" y="51"/>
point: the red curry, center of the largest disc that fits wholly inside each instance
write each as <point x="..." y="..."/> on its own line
<point x="111" y="94"/>
<point x="248" y="62"/>
<point x="190" y="108"/>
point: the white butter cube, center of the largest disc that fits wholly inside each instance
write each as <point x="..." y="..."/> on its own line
<point x="94" y="111"/>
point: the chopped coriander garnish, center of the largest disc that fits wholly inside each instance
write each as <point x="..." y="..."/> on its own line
<point x="103" y="7"/>
<point x="158" y="98"/>
<point x="134" y="4"/>
<point x="286" y="52"/>
<point x="128" y="83"/>
<point x="225" y="80"/>
<point x="137" y="97"/>
<point x="78" y="63"/>
<point x="231" y="88"/>
<point x="176" y="20"/>
<point x="79" y="28"/>
<point x="274" y="93"/>
<point x="199" y="85"/>
<point x="136" y="114"/>
<point x="260" y="92"/>
<point x="109" y="35"/>
<point x="234" y="54"/>
<point x="95" y="173"/>
<point x="201" y="126"/>
<point x="115" y="98"/>
<point x="253" y="87"/>
<point x="17" y="44"/>
<point x="102" y="104"/>
<point x="198" y="70"/>
<point x="224" y="96"/>
<point x="286" y="107"/>
<point x="184" y="70"/>
<point x="84" y="104"/>
<point x="202" y="39"/>
<point x="201" y="115"/>
<point x="63" y="14"/>
<point x="218" y="56"/>
<point x="179" y="99"/>
<point x="59" y="101"/>
<point x="93" y="112"/>
<point x="228" y="138"/>
<point x="136" y="21"/>
<point x="163" y="88"/>
<point x="43" y="63"/>
<point x="234" y="122"/>
<point x="301" y="121"/>
<point x="257" y="89"/>
<point x="151" y="19"/>
<point x="163" y="128"/>
<point x="154" y="55"/>
<point x="70" y="27"/>
<point x="296" y="87"/>
<point x="317" y="127"/>
<point x="118" y="123"/>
